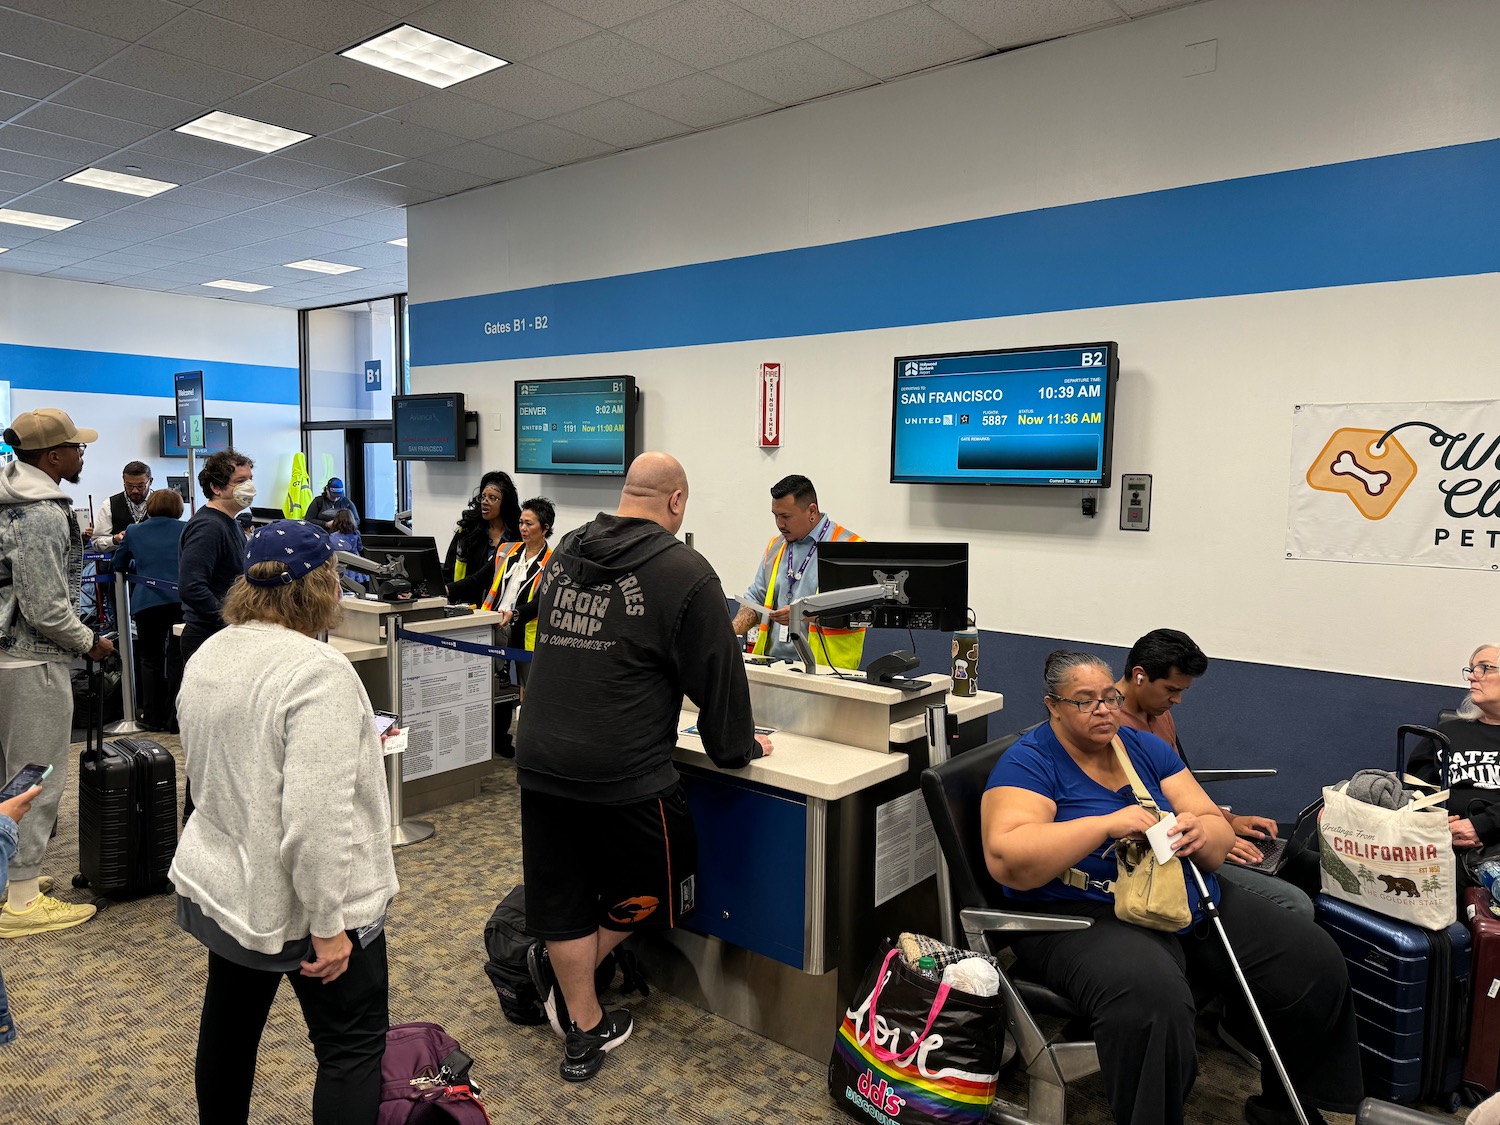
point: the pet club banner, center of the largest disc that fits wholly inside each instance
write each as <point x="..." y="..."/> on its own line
<point x="1410" y="483"/>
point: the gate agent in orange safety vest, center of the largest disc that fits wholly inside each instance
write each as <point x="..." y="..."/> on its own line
<point x="789" y="570"/>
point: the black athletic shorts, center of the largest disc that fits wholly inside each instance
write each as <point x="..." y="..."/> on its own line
<point x="616" y="867"/>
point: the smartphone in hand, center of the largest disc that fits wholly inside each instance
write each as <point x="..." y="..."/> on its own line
<point x="28" y="775"/>
<point x="384" y="721"/>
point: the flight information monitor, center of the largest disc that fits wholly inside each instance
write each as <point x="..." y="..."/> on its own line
<point x="1031" y="416"/>
<point x="576" y="427"/>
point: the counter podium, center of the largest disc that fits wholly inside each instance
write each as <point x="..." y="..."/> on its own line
<point x="808" y="858"/>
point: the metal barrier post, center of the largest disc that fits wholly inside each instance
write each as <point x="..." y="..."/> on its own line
<point x="403" y="831"/>
<point x="937" y="754"/>
<point x="125" y="646"/>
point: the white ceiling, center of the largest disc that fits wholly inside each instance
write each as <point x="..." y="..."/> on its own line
<point x="103" y="83"/>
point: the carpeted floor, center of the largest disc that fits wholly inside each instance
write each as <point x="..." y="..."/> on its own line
<point x="108" y="1013"/>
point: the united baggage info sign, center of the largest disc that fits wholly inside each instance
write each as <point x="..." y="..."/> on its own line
<point x="1410" y="483"/>
<point x="447" y="705"/>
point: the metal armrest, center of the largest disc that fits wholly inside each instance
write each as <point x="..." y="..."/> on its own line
<point x="976" y="920"/>
<point x="1231" y="775"/>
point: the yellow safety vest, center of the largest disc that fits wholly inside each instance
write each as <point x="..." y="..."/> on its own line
<point x="844" y="647"/>
<point x="525" y="594"/>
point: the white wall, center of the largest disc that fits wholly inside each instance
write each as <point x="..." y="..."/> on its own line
<point x="51" y="313"/>
<point x="1207" y="386"/>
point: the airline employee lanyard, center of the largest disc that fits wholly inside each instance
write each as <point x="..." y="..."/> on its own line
<point x="793" y="579"/>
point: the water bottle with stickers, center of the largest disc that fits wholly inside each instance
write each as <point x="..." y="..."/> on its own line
<point x="1488" y="873"/>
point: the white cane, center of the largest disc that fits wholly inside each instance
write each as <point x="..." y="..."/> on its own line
<point x="1211" y="908"/>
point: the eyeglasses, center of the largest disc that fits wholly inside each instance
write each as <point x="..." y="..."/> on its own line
<point x="1110" y="701"/>
<point x="1480" y="671"/>
<point x="78" y="445"/>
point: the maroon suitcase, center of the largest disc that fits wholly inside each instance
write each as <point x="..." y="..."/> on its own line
<point x="1482" y="1063"/>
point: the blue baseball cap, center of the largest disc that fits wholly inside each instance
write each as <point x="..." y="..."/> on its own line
<point x="335" y="485"/>
<point x="302" y="546"/>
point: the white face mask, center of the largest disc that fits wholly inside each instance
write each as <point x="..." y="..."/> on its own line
<point x="244" y="493"/>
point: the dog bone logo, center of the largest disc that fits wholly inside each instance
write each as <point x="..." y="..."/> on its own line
<point x="1371" y="473"/>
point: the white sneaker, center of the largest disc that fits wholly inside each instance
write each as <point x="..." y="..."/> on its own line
<point x="43" y="916"/>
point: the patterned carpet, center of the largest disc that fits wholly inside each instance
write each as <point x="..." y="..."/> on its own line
<point x="108" y="1013"/>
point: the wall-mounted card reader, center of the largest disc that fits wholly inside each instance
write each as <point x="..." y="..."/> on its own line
<point x="1135" y="502"/>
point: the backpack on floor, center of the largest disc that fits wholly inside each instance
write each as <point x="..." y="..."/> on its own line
<point x="424" y="1079"/>
<point x="507" y="942"/>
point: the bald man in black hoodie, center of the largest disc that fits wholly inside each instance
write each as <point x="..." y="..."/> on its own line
<point x="629" y="621"/>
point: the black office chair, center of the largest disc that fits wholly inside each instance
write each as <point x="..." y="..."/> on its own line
<point x="985" y="917"/>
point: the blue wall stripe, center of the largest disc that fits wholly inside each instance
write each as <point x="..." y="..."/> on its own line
<point x="118" y="373"/>
<point x="1391" y="218"/>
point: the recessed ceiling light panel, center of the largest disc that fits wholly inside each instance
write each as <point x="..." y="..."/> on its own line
<point x="31" y="219"/>
<point x="312" y="265"/>
<point x="119" y="181"/>
<point x="414" y="53"/>
<point x="237" y="286"/>
<point x="242" y="131"/>
<point x="3" y="249"/>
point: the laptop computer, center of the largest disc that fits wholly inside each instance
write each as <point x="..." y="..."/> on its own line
<point x="1278" y="852"/>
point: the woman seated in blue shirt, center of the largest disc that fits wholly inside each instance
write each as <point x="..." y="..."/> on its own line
<point x="1057" y="800"/>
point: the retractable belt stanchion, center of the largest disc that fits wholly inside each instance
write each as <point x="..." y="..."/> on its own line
<point x="125" y="645"/>
<point x="403" y="831"/>
<point x="937" y="754"/>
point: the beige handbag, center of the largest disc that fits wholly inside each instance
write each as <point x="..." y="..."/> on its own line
<point x="1147" y="892"/>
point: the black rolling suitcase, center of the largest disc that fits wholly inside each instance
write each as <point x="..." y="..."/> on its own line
<point x="127" y="811"/>
<point x="1411" y="1001"/>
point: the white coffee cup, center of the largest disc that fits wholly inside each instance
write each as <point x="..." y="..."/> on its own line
<point x="1157" y="834"/>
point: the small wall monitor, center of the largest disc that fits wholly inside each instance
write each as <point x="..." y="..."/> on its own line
<point x="218" y="434"/>
<point x="179" y="485"/>
<point x="428" y="427"/>
<point x="420" y="554"/>
<point x="1033" y="416"/>
<point x="576" y="427"/>
<point x="927" y="584"/>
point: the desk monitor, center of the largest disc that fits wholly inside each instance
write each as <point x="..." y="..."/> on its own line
<point x="418" y="552"/>
<point x="927" y="583"/>
<point x="179" y="485"/>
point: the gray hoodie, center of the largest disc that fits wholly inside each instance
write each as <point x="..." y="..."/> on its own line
<point x="41" y="563"/>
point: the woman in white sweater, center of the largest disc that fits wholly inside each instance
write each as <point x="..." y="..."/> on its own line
<point x="285" y="868"/>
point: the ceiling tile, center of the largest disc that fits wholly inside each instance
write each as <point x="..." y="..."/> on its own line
<point x="795" y="73"/>
<point x="290" y="217"/>
<point x="510" y="29"/>
<point x="213" y="204"/>
<point x="1144" y="7"/>
<point x="249" y="187"/>
<point x="18" y="138"/>
<point x="383" y="192"/>
<point x="139" y="163"/>
<point x="201" y="152"/>
<point x="279" y="251"/>
<point x="393" y="136"/>
<point x="55" y="44"/>
<point x="903" y="42"/>
<point x="330" y="205"/>
<point x="294" y="109"/>
<point x="87" y="271"/>
<point x="40" y="251"/>
<point x="143" y="67"/>
<point x="550" y="144"/>
<point x="528" y="92"/>
<point x="32" y="79"/>
<point x="134" y="223"/>
<point x="610" y="13"/>
<point x="42" y="167"/>
<point x="485" y="162"/>
<point x="701" y="100"/>
<point x="230" y="46"/>
<point x="70" y="122"/>
<point x="456" y="116"/>
<point x="803" y="19"/>
<point x="90" y="240"/>
<point x="76" y="202"/>
<point x="374" y="227"/>
<point x="618" y="123"/>
<point x="428" y="177"/>
<point x="345" y="157"/>
<point x="329" y="25"/>
<point x="243" y="229"/>
<point x="12" y="104"/>
<point x="397" y="7"/>
<point x="12" y="185"/>
<point x="180" y="208"/>
<point x="705" y="33"/>
<point x="143" y="106"/>
<point x="1027" y="21"/>
<point x="139" y="259"/>
<point x="368" y="88"/>
<point x="284" y="170"/>
<point x="610" y="64"/>
<point x="123" y="21"/>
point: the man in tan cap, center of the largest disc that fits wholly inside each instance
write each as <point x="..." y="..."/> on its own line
<point x="41" y="561"/>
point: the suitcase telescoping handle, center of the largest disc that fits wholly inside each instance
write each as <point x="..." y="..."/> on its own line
<point x="1440" y="746"/>
<point x="93" y="732"/>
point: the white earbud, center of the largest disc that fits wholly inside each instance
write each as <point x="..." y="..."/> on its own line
<point x="1140" y="679"/>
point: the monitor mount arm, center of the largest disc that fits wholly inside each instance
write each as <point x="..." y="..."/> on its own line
<point x="388" y="580"/>
<point x="841" y="602"/>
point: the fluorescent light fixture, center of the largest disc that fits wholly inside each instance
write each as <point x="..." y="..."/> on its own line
<point x="397" y="242"/>
<point x="3" y="249"/>
<point x="32" y="219"/>
<point x="242" y="131"/>
<point x="312" y="265"/>
<point x="237" y="286"/>
<point x="428" y="58"/>
<point x="119" y="181"/>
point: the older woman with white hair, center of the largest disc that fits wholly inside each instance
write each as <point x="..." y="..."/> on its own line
<point x="1473" y="766"/>
<point x="285" y="869"/>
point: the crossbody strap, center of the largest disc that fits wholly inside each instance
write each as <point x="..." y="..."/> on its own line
<point x="1077" y="877"/>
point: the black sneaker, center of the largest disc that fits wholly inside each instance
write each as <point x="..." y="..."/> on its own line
<point x="545" y="980"/>
<point x="584" y="1053"/>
